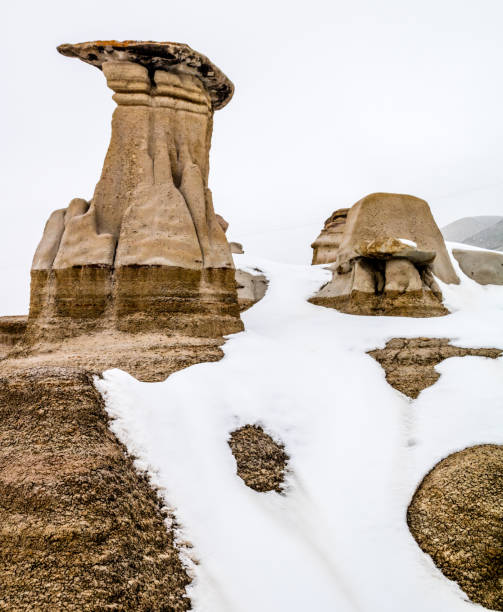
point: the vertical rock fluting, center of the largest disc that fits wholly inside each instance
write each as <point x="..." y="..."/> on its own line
<point x="147" y="252"/>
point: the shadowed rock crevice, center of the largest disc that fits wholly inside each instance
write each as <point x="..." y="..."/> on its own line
<point x="456" y="517"/>
<point x="80" y="529"/>
<point x="261" y="462"/>
<point x="410" y="363"/>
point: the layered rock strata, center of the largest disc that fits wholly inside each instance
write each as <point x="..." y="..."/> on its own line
<point x="409" y="363"/>
<point x="260" y="460"/>
<point x="484" y="267"/>
<point x="147" y="253"/>
<point x="456" y="517"/>
<point x="12" y="330"/>
<point x="386" y="250"/>
<point x="326" y="246"/>
<point x="80" y="528"/>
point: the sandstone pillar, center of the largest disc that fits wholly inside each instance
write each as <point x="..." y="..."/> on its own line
<point x="147" y="251"/>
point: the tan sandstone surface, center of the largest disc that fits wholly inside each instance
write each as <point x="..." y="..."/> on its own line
<point x="385" y="251"/>
<point x="484" y="267"/>
<point x="409" y="363"/>
<point x="456" y="516"/>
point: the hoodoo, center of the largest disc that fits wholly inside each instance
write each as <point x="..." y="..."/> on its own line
<point x="147" y="253"/>
<point x="386" y="250"/>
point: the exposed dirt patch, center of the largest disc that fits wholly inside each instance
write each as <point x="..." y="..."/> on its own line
<point x="261" y="461"/>
<point x="410" y="363"/>
<point x="456" y="516"/>
<point x="79" y="528"/>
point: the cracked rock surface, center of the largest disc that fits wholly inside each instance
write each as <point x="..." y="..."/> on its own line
<point x="410" y="363"/>
<point x="456" y="517"/>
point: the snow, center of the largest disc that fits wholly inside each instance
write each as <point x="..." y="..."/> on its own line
<point x="338" y="539"/>
<point x="410" y="243"/>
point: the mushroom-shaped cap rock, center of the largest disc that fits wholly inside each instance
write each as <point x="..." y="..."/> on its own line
<point x="169" y="56"/>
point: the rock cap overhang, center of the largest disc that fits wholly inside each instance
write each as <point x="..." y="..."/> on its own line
<point x="169" y="56"/>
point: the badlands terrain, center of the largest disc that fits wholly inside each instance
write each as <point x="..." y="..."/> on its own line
<point x="190" y="424"/>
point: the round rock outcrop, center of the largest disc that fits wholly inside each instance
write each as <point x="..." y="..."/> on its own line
<point x="456" y="516"/>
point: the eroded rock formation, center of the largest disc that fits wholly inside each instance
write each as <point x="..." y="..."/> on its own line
<point x="456" y="516"/>
<point x="484" y="267"/>
<point x="410" y="363"/>
<point x="385" y="251"/>
<point x="147" y="253"/>
<point x="251" y="288"/>
<point x="326" y="246"/>
<point x="261" y="462"/>
<point x="80" y="528"/>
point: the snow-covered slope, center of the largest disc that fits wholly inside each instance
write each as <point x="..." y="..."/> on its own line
<point x="338" y="539"/>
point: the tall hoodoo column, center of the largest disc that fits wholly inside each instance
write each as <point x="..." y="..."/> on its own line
<point x="147" y="251"/>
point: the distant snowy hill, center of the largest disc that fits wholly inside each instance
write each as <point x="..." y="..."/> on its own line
<point x="485" y="231"/>
<point x="489" y="238"/>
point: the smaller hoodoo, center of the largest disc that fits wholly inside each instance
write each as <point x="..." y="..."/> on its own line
<point x="385" y="252"/>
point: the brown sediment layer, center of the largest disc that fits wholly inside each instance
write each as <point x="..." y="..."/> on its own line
<point x="12" y="330"/>
<point x="391" y="303"/>
<point x="79" y="528"/>
<point x="71" y="301"/>
<point x="410" y="363"/>
<point x="261" y="462"/>
<point x="456" y="517"/>
<point x="200" y="303"/>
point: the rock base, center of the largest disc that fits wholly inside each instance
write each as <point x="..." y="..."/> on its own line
<point x="84" y="299"/>
<point x="393" y="304"/>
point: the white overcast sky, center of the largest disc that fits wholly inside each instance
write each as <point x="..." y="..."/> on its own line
<point x="334" y="99"/>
